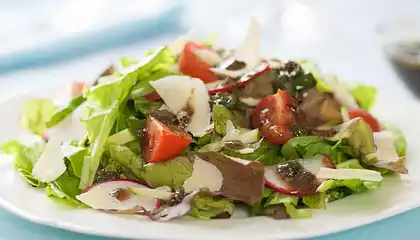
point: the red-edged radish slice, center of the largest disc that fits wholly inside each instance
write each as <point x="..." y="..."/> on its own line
<point x="273" y="181"/>
<point x="313" y="165"/>
<point x="115" y="195"/>
<point x="219" y="86"/>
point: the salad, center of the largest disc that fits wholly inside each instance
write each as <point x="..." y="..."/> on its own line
<point x="195" y="130"/>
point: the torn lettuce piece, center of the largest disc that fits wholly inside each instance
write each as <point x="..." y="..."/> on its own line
<point x="305" y="146"/>
<point x="297" y="213"/>
<point x="65" y="188"/>
<point x="35" y="115"/>
<point x="124" y="156"/>
<point x="65" y="111"/>
<point x="104" y="105"/>
<point x="25" y="155"/>
<point x="310" y="67"/>
<point x="208" y="207"/>
<point x="171" y="173"/>
<point x="220" y="116"/>
<point x="145" y="106"/>
<point x="122" y="137"/>
<point x="75" y="155"/>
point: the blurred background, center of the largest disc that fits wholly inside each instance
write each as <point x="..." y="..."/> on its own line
<point x="53" y="41"/>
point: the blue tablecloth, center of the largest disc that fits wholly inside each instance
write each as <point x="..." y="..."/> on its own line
<point x="404" y="226"/>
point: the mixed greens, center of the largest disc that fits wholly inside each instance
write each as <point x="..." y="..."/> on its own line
<point x="196" y="130"/>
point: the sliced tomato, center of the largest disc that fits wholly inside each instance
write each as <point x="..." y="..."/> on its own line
<point x="274" y="116"/>
<point x="77" y="88"/>
<point x="367" y="117"/>
<point x="163" y="141"/>
<point x="192" y="65"/>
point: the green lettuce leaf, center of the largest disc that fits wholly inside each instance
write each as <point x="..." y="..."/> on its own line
<point x="207" y="207"/>
<point x="65" y="188"/>
<point x="25" y="156"/>
<point x="124" y="156"/>
<point x="76" y="156"/>
<point x="400" y="141"/>
<point x="64" y="112"/>
<point x="171" y="173"/>
<point x="310" y="67"/>
<point x="310" y="146"/>
<point x="122" y="137"/>
<point x="35" y="115"/>
<point x="352" y="163"/>
<point x="277" y="198"/>
<point x="364" y="95"/>
<point x="145" y="106"/>
<point x="266" y="153"/>
<point x="220" y="116"/>
<point x="356" y="185"/>
<point x="135" y="125"/>
<point x="296" y="213"/>
<point x="316" y="201"/>
<point x="105" y="103"/>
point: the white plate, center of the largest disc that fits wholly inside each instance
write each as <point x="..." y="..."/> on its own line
<point x="396" y="195"/>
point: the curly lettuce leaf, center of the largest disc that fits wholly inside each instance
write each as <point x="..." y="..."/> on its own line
<point x="278" y="202"/>
<point x="310" y="67"/>
<point x="35" y="115"/>
<point x="356" y="185"/>
<point x="208" y="207"/>
<point x="316" y="201"/>
<point x="105" y="103"/>
<point x="25" y="155"/>
<point x="171" y="173"/>
<point x="62" y="113"/>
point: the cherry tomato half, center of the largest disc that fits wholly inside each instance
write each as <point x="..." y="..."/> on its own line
<point x="273" y="116"/>
<point x="162" y="141"/>
<point x="367" y="117"/>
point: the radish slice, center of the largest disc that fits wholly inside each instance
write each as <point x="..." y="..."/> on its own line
<point x="100" y="196"/>
<point x="219" y="86"/>
<point x="273" y="181"/>
<point x="254" y="73"/>
<point x="313" y="165"/>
